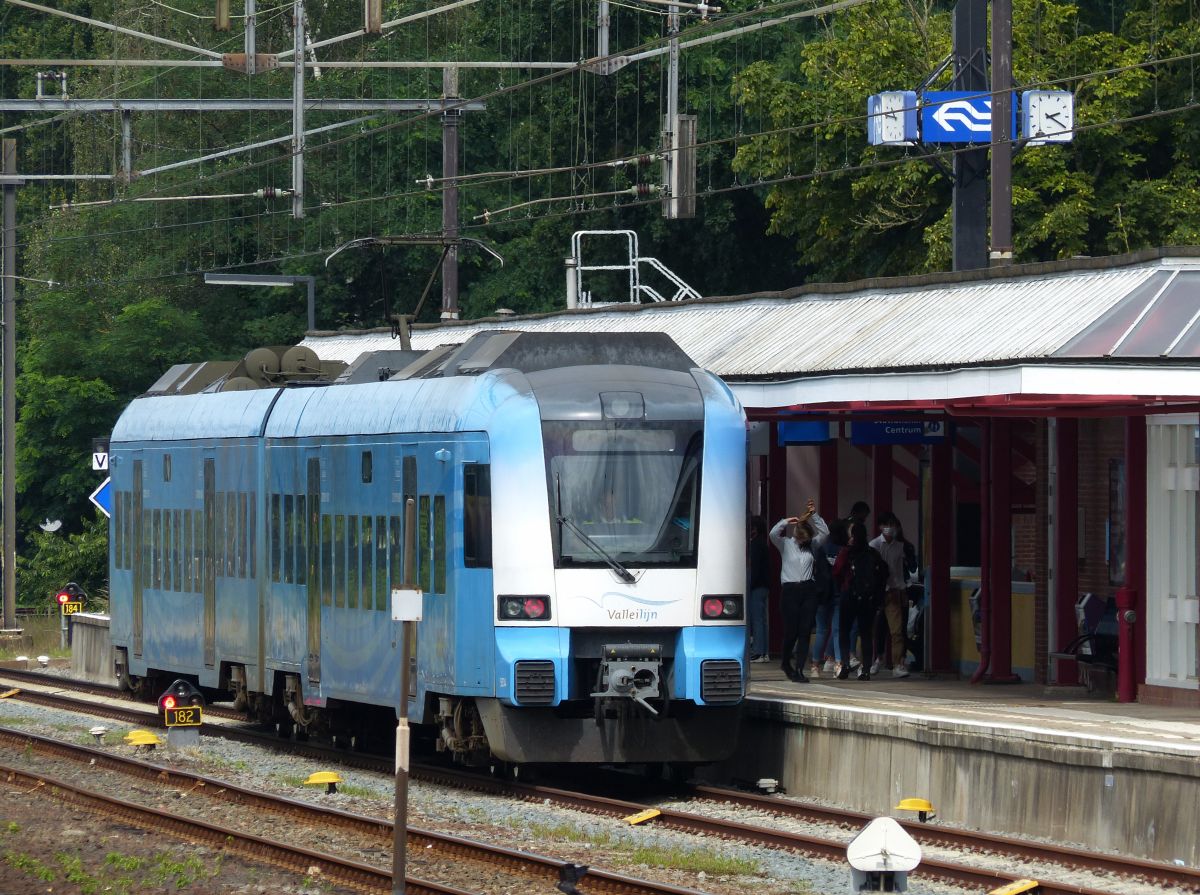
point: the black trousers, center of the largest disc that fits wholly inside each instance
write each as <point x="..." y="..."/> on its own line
<point x="851" y="610"/>
<point x="798" y="603"/>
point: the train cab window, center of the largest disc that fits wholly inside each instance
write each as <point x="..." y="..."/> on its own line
<point x="289" y="538"/>
<point x="366" y="543"/>
<point x="339" y="554"/>
<point x="423" y="557"/>
<point x="326" y="560"/>
<point x="367" y="471"/>
<point x="477" y="516"/>
<point x="352" y="583"/>
<point x="166" y="467"/>
<point x="439" y="544"/>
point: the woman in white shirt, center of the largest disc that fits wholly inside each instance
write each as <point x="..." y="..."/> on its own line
<point x="802" y="578"/>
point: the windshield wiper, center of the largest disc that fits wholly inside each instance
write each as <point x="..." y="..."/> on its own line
<point x="623" y="573"/>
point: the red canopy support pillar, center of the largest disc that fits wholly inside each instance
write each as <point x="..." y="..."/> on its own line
<point x="941" y="511"/>
<point x="999" y="572"/>
<point x="881" y="482"/>
<point x="1066" y="542"/>
<point x="827" y="496"/>
<point x="776" y="509"/>
<point x="1131" y="597"/>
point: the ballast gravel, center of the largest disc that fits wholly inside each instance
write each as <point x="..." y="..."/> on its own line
<point x="602" y="842"/>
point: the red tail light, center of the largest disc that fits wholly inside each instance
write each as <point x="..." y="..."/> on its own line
<point x="535" y="607"/>
<point x="713" y="607"/>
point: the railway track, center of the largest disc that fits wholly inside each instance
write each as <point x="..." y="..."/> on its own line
<point x="540" y="872"/>
<point x="1170" y="877"/>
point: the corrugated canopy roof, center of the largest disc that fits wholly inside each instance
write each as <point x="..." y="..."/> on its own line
<point x="1142" y="310"/>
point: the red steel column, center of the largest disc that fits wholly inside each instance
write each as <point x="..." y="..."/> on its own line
<point x="1000" y="552"/>
<point x="881" y="482"/>
<point x="1066" y="542"/>
<point x="941" y="533"/>
<point x="1131" y="598"/>
<point x="827" y="494"/>
<point x="985" y="549"/>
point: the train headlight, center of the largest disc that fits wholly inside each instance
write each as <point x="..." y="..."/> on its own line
<point x="723" y="607"/>
<point x="511" y="607"/>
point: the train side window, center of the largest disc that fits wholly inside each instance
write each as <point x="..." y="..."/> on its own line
<point x="243" y="533"/>
<point x="353" y="587"/>
<point x="177" y="554"/>
<point x="166" y="550"/>
<point x="289" y="538"/>
<point x="367" y="467"/>
<point x="231" y="534"/>
<point x="439" y="544"/>
<point x="301" y="539"/>
<point x="155" y="546"/>
<point x="146" y="559"/>
<point x="166" y="467"/>
<point x="339" y="553"/>
<point x="276" y="541"/>
<point x="381" y="562"/>
<point x="423" y="556"/>
<point x="199" y="546"/>
<point x="326" y="560"/>
<point x="252" y="522"/>
<point x="118" y="523"/>
<point x="186" y="557"/>
<point x="367" y="544"/>
<point x="217" y="547"/>
<point x="396" y="575"/>
<point x="477" y="516"/>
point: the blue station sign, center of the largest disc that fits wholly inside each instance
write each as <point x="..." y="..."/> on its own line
<point x="929" y="431"/>
<point x="960" y="116"/>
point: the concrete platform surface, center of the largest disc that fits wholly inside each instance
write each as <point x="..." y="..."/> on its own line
<point x="1053" y="713"/>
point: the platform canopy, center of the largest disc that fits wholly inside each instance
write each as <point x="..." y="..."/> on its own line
<point x="1093" y="336"/>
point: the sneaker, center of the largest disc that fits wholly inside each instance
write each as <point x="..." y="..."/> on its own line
<point x="813" y="670"/>
<point x="854" y="663"/>
<point x="763" y="658"/>
<point x="876" y="666"/>
<point x="899" y="671"/>
<point x="843" y="672"/>
<point x="863" y="675"/>
<point x="830" y="667"/>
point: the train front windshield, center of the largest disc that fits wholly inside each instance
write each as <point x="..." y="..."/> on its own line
<point x="627" y="492"/>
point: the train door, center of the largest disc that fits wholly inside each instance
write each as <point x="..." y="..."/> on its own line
<point x="139" y="553"/>
<point x="408" y="576"/>
<point x="312" y="523"/>
<point x="210" y="569"/>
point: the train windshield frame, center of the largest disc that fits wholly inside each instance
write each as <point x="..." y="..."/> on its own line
<point x="624" y="491"/>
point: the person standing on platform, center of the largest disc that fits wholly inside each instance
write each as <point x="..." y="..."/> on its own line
<point x="760" y="588"/>
<point x="805" y="571"/>
<point x="890" y="544"/>
<point x="861" y="576"/>
<point x="825" y="646"/>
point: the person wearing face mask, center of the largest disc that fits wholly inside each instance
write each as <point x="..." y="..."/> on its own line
<point x="890" y="545"/>
<point x="804" y="574"/>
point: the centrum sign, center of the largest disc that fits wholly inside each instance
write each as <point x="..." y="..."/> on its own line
<point x="912" y="431"/>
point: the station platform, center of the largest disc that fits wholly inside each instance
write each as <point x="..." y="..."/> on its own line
<point x="1021" y="759"/>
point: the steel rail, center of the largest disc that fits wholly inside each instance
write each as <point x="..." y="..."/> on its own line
<point x="246" y="845"/>
<point x="1182" y="879"/>
<point x="517" y="862"/>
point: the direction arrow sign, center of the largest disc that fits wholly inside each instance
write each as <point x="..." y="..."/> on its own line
<point x="959" y="116"/>
<point x="102" y="497"/>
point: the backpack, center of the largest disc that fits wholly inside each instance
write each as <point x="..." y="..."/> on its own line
<point x="864" y="575"/>
<point x="822" y="574"/>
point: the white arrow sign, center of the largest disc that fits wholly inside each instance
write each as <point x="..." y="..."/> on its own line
<point x="964" y="113"/>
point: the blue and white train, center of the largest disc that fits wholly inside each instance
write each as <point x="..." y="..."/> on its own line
<point x="580" y="509"/>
